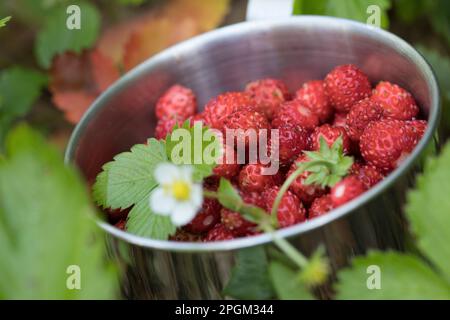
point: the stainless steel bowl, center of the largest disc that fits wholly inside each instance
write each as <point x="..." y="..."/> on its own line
<point x="295" y="50"/>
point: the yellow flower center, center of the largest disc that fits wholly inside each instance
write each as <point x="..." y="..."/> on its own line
<point x="180" y="190"/>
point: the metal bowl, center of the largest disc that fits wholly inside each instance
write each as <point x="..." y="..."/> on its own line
<point x="296" y="50"/>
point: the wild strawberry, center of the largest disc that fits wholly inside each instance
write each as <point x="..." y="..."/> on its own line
<point x="268" y="95"/>
<point x="386" y="143"/>
<point x="227" y="166"/>
<point x="345" y="85"/>
<point x="330" y="134"/>
<point x="295" y="112"/>
<point x="165" y="125"/>
<point x="206" y="218"/>
<point x="312" y="95"/>
<point x="198" y="117"/>
<point x="369" y="175"/>
<point x="246" y="119"/>
<point x="340" y="120"/>
<point x="360" y="115"/>
<point x="290" y="210"/>
<point x="178" y="101"/>
<point x="396" y="102"/>
<point x="217" y="109"/>
<point x="252" y="179"/>
<point x="293" y="139"/>
<point x="418" y="127"/>
<point x="219" y="233"/>
<point x="185" y="236"/>
<point x="320" y="206"/>
<point x="306" y="193"/>
<point x="347" y="189"/>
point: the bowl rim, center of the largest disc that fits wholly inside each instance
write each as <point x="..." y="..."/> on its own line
<point x="244" y="28"/>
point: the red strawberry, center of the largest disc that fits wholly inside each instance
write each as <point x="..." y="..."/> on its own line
<point x="290" y="210"/>
<point x="207" y="218"/>
<point x="367" y="174"/>
<point x="295" y="112"/>
<point x="184" y="236"/>
<point x="340" y="120"/>
<point x="268" y="95"/>
<point x="164" y="126"/>
<point x="330" y="134"/>
<point x="217" y="109"/>
<point x="227" y="166"/>
<point x="199" y="117"/>
<point x="396" y="102"/>
<point x="306" y="193"/>
<point x="293" y="139"/>
<point x="386" y="143"/>
<point x="347" y="189"/>
<point x="320" y="206"/>
<point x="345" y="85"/>
<point x="418" y="128"/>
<point x="219" y="233"/>
<point x="312" y="94"/>
<point x="252" y="179"/>
<point x="246" y="119"/>
<point x="178" y="101"/>
<point x="360" y="115"/>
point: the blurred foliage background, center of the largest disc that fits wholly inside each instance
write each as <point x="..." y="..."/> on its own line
<point x="49" y="76"/>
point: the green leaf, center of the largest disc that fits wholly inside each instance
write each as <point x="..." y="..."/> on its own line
<point x="46" y="226"/>
<point x="408" y="11"/>
<point x="55" y="37"/>
<point x="249" y="277"/>
<point x="129" y="177"/>
<point x="142" y="221"/>
<point x="349" y="9"/>
<point x="286" y="284"/>
<point x="228" y="195"/>
<point x="402" y="277"/>
<point x="197" y="143"/>
<point x="428" y="210"/>
<point x="326" y="166"/>
<point x="3" y="21"/>
<point x="19" y="89"/>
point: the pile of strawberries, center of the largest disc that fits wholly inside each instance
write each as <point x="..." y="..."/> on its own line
<point x="378" y="126"/>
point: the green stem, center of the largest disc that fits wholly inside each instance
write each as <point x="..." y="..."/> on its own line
<point x="287" y="248"/>
<point x="287" y="183"/>
<point x="281" y="243"/>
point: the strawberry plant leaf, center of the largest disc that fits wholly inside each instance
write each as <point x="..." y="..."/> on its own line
<point x="19" y="89"/>
<point x="46" y="226"/>
<point x="401" y="277"/>
<point x="55" y="37"/>
<point x="142" y="221"/>
<point x="349" y="9"/>
<point x="249" y="277"/>
<point x="128" y="179"/>
<point x="428" y="210"/>
<point x="286" y="284"/>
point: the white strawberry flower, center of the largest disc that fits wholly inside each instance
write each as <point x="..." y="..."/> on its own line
<point x="177" y="195"/>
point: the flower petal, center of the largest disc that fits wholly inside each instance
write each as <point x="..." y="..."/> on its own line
<point x="161" y="203"/>
<point x="186" y="173"/>
<point x="165" y="173"/>
<point x="183" y="213"/>
<point x="196" y="195"/>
